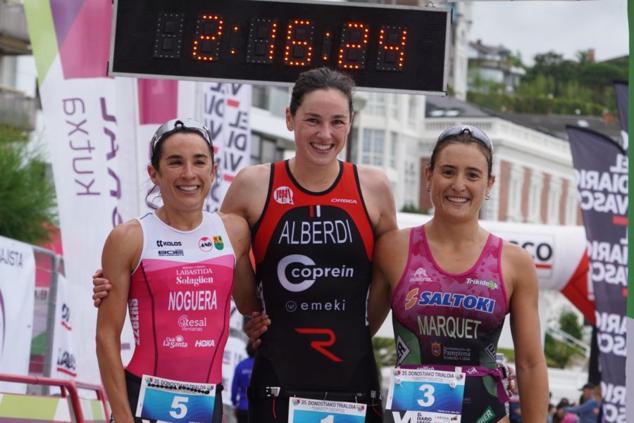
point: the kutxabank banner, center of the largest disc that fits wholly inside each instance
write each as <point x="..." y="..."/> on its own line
<point x="601" y="168"/>
<point x="89" y="127"/>
<point x="98" y="131"/>
<point x="17" y="287"/>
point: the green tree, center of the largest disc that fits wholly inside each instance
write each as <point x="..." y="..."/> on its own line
<point x="27" y="197"/>
<point x="558" y="353"/>
<point x="384" y="351"/>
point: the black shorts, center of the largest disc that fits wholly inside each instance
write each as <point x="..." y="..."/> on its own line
<point x="133" y="385"/>
<point x="481" y="402"/>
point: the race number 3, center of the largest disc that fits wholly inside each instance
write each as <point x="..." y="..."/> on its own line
<point x="428" y="395"/>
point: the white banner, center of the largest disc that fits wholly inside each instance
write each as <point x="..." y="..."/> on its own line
<point x="91" y="141"/>
<point x="226" y="113"/>
<point x="64" y="362"/>
<point x="235" y="352"/>
<point x="17" y="287"/>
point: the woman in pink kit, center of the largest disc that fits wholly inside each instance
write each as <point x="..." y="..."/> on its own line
<point x="451" y="284"/>
<point x="174" y="269"/>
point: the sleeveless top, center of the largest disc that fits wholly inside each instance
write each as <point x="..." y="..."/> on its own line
<point x="442" y="318"/>
<point x="179" y="300"/>
<point x="313" y="253"/>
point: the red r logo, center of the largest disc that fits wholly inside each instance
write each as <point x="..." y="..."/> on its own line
<point x="320" y="346"/>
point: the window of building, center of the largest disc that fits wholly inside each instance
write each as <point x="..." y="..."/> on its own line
<point x="534" y="198"/>
<point x="410" y="184"/>
<point x="554" y="195"/>
<point x="260" y="97"/>
<point x="572" y="203"/>
<point x="412" y="110"/>
<point x="376" y="104"/>
<point x="394" y="99"/>
<point x="516" y="183"/>
<point x="393" y="149"/>
<point x="372" y="147"/>
<point x="264" y="150"/>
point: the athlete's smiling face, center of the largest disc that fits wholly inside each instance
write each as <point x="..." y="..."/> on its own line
<point x="321" y="125"/>
<point x="459" y="181"/>
<point x="185" y="172"/>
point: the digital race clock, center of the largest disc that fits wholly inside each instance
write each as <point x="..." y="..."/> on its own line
<point x="389" y="48"/>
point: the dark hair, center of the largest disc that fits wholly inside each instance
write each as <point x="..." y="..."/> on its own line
<point x="464" y="138"/>
<point x="320" y="79"/>
<point x="165" y="131"/>
<point x="175" y="126"/>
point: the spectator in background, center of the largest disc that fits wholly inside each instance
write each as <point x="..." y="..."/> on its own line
<point x="240" y="384"/>
<point x="587" y="410"/>
<point x="563" y="416"/>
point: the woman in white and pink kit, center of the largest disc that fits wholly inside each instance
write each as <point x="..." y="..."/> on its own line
<point x="174" y="269"/>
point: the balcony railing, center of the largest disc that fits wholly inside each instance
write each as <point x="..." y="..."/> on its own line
<point x="14" y="36"/>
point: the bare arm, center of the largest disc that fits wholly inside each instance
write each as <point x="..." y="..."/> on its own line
<point x="122" y="248"/>
<point x="244" y="291"/>
<point x="530" y="362"/>
<point x="390" y="258"/>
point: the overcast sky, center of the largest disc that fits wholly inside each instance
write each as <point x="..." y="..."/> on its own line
<point x="533" y="27"/>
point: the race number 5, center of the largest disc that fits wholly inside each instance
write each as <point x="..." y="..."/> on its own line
<point x="428" y="395"/>
<point x="179" y="407"/>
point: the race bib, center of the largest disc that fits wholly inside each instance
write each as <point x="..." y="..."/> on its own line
<point x="426" y="395"/>
<point x="303" y="410"/>
<point x="175" y="401"/>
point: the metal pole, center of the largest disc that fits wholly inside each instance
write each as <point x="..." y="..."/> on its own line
<point x="50" y="320"/>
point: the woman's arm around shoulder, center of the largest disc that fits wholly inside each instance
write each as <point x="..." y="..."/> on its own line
<point x="121" y="253"/>
<point x="390" y="258"/>
<point x="378" y="198"/>
<point x="530" y="363"/>
<point x="244" y="290"/>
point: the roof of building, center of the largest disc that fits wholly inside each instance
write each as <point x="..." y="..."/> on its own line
<point x="437" y="106"/>
<point x="554" y="125"/>
<point x="487" y="49"/>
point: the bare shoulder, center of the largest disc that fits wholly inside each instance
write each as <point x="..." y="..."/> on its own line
<point x="517" y="257"/>
<point x="247" y="193"/>
<point x="255" y="175"/>
<point x="374" y="179"/>
<point x="518" y="268"/>
<point x="124" y="244"/>
<point x="378" y="199"/>
<point x="127" y="232"/>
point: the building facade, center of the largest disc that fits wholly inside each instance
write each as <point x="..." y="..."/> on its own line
<point x="18" y="105"/>
<point x="535" y="180"/>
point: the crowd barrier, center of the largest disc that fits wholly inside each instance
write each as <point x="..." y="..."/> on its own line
<point x="65" y="406"/>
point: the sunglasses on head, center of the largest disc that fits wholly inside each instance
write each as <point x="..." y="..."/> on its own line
<point x="475" y="133"/>
<point x="180" y="125"/>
